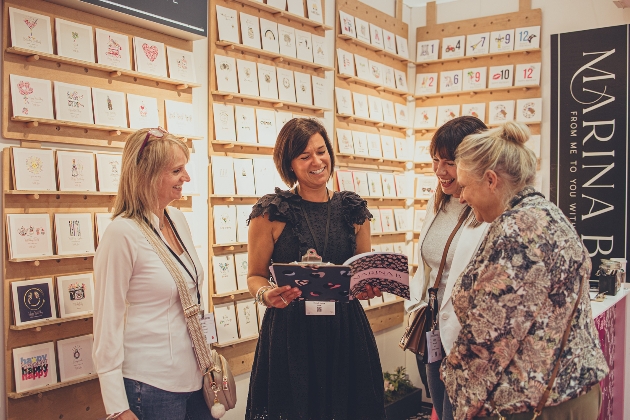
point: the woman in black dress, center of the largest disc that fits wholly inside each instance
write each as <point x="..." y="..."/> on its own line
<point x="310" y="367"/>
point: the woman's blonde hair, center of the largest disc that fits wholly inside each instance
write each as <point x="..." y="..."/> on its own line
<point x="140" y="175"/>
<point x="503" y="151"/>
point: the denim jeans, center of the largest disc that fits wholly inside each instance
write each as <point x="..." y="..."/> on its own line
<point x="150" y="403"/>
<point x="440" y="399"/>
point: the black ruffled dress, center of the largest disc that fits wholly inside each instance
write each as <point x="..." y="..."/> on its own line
<point x="315" y="367"/>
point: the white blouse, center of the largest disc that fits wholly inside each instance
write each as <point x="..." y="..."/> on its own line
<point x="139" y="326"/>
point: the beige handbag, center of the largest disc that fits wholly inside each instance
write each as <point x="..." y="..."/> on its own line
<point x="219" y="389"/>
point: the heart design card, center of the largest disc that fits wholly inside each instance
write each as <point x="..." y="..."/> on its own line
<point x="150" y="57"/>
<point x="427" y="50"/>
<point x="477" y="44"/>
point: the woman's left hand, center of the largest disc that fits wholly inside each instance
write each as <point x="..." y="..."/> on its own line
<point x="370" y="293"/>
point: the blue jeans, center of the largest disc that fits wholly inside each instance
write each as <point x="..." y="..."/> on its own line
<point x="440" y="399"/>
<point x="150" y="403"/>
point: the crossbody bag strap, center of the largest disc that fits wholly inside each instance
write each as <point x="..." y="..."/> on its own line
<point x="461" y="220"/>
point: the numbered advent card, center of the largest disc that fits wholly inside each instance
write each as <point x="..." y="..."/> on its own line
<point x="475" y="110"/>
<point x="31" y="97"/>
<point x="225" y="319"/>
<point x="150" y="56"/>
<point x="76" y="171"/>
<point x="500" y="112"/>
<point x="451" y="81"/>
<point x="34" y="366"/>
<point x="527" y="38"/>
<point x="426" y="117"/>
<point x="426" y="83"/>
<point x="76" y="294"/>
<point x="108" y="168"/>
<point x="501" y="41"/>
<point x="475" y="78"/>
<point x="224" y="274"/>
<point x="75" y="357"/>
<point x="33" y="169"/>
<point x="527" y="74"/>
<point x="110" y="108"/>
<point x="143" y="111"/>
<point x="180" y="118"/>
<point x="427" y="50"/>
<point x="33" y="300"/>
<point x="73" y="103"/>
<point x="446" y="113"/>
<point x="453" y="47"/>
<point x="500" y="76"/>
<point x="224" y="128"/>
<point x="112" y="49"/>
<point x="529" y="110"/>
<point x="478" y="44"/>
<point x="181" y="64"/>
<point x="74" y="233"/>
<point x="30" y="31"/>
<point x="74" y="40"/>
<point x="247" y="318"/>
<point x="226" y="23"/>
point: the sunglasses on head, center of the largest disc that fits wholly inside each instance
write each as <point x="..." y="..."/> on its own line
<point x="155" y="132"/>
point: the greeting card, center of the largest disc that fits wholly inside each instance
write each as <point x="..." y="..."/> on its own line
<point x="361" y="183"/>
<point x="108" y="167"/>
<point x="401" y="114"/>
<point x="74" y="233"/>
<point x="363" y="67"/>
<point x="376" y="72"/>
<point x="75" y="357"/>
<point x="389" y="189"/>
<point x="422" y="153"/>
<point x="404" y="148"/>
<point x="344" y="141"/>
<point x="389" y="115"/>
<point x="534" y="144"/>
<point x="403" y="223"/>
<point x="267" y="81"/>
<point x="264" y="175"/>
<point x="31" y="31"/>
<point x="304" y="45"/>
<point x="225" y="68"/>
<point x="33" y="169"/>
<point x="76" y="171"/>
<point x="475" y="110"/>
<point x="242" y="228"/>
<point x="345" y="61"/>
<point x="376" y="225"/>
<point x="222" y="175"/>
<point x="375" y="108"/>
<point x="400" y="78"/>
<point x="500" y="112"/>
<point x="223" y="122"/>
<point x="282" y="118"/>
<point x="529" y="110"/>
<point x="303" y="90"/>
<point x="266" y="123"/>
<point x="478" y="44"/>
<point x="527" y="38"/>
<point x="76" y="294"/>
<point x="29" y="235"/>
<point x="389" y="41"/>
<point x="224" y="224"/>
<point x="31" y="97"/>
<point x="451" y="81"/>
<point x="225" y="320"/>
<point x="286" y="40"/>
<point x="321" y="92"/>
<point x="320" y="54"/>
<point x="247" y="77"/>
<point x="74" y="40"/>
<point x="389" y="297"/>
<point x="143" y="111"/>
<point x="375" y="185"/>
<point x="426" y="83"/>
<point x="401" y="46"/>
<point x="347" y="24"/>
<point x="250" y="30"/>
<point x="425" y="186"/>
<point x="110" y="108"/>
<point x="269" y="35"/>
<point x="426" y="117"/>
<point x="278" y="4"/>
<point x="475" y="78"/>
<point x="376" y="36"/>
<point x="34" y="366"/>
<point x="240" y="263"/>
<point x="180" y="118"/>
<point x="362" y="29"/>
<point x="150" y="56"/>
<point x="500" y="76"/>
<point x="404" y="185"/>
<point x="102" y="221"/>
<point x="502" y="41"/>
<point x="418" y="219"/>
<point x="360" y="105"/>
<point x="296" y="7"/>
<point x="527" y="74"/>
<point x="181" y="65"/>
<point x="374" y="145"/>
<point x="446" y="113"/>
<point x="387" y="220"/>
<point x="226" y="23"/>
<point x="344" y="101"/>
<point x="224" y="274"/>
<point x="245" y="124"/>
<point x="388" y="77"/>
<point x="427" y="50"/>
<point x="359" y="140"/>
<point x="244" y="176"/>
<point x="33" y="300"/>
<point x="247" y="318"/>
<point x="73" y="103"/>
<point x="345" y="180"/>
<point x="112" y="49"/>
<point x="388" y="147"/>
<point x="286" y="88"/>
<point x="453" y="46"/>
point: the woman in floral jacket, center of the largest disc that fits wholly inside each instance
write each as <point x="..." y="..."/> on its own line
<point x="515" y="298"/>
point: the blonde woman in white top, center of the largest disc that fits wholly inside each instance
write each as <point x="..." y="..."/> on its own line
<point x="143" y="353"/>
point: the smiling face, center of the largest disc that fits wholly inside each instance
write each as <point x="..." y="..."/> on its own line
<point x="482" y="195"/>
<point x="312" y="166"/>
<point x="172" y="179"/>
<point x="446" y="171"/>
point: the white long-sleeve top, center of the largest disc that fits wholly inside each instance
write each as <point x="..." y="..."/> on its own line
<point x="139" y="326"/>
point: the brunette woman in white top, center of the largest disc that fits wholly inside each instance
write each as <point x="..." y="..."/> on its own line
<point x="443" y="213"/>
<point x="142" y="351"/>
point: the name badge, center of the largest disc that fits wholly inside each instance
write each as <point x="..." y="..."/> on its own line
<point x="319" y="308"/>
<point x="209" y="328"/>
<point x="434" y="346"/>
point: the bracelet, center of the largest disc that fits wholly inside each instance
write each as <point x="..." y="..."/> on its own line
<point x="115" y="415"/>
<point x="259" y="294"/>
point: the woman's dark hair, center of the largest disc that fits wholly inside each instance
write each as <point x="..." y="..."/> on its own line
<point x="291" y="142"/>
<point x="445" y="142"/>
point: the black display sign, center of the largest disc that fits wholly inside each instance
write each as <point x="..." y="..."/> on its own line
<point x="187" y="15"/>
<point x="589" y="136"/>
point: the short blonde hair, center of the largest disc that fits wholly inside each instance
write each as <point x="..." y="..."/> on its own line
<point x="140" y="175"/>
<point x="503" y="151"/>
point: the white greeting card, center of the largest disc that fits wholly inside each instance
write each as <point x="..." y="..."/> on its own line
<point x="500" y="76"/>
<point x="321" y="93"/>
<point x="296" y="7"/>
<point x="76" y="171"/>
<point x="103" y="220"/>
<point x="266" y="123"/>
<point x="388" y="77"/>
<point x="376" y="300"/>
<point x="31" y="97"/>
<point x="376" y="187"/>
<point x="375" y="108"/>
<point x="244" y="176"/>
<point x="112" y="49"/>
<point x="224" y="274"/>
<point x="226" y="23"/>
<point x="359" y="140"/>
<point x="73" y="103"/>
<point x="475" y="78"/>
<point x="278" y="4"/>
<point x="389" y="114"/>
<point x="401" y="46"/>
<point x="286" y="87"/>
<point x="388" y="146"/>
<point x="250" y="30"/>
<point x="30" y="31"/>
<point x="222" y="175"/>
<point x="375" y="224"/>
<point x="478" y="44"/>
<point x="245" y="118"/>
<point x="143" y="111"/>
<point x="110" y="107"/>
<point x="33" y="300"/>
<point x="76" y="294"/>
<point x="345" y="62"/>
<point x="418" y="219"/>
<point x="403" y="224"/>
<point x="389" y="41"/>
<point x="446" y="113"/>
<point x="150" y="56"/>
<point x="269" y="35"/>
<point x="453" y="47"/>
<point x="451" y="81"/>
<point x="527" y="38"/>
<point x="389" y="189"/>
<point x="502" y="41"/>
<point x="376" y="36"/>
<point x="387" y="220"/>
<point x="360" y="105"/>
<point x="344" y="101"/>
<point x="500" y="112"/>
<point x="475" y="110"/>
<point x="426" y="117"/>
<point x="74" y="233"/>
<point x="422" y="153"/>
<point x="264" y="175"/>
<point x="223" y="122"/>
<point x="286" y="40"/>
<point x="282" y="118"/>
<point x="242" y="228"/>
<point x="534" y="144"/>
<point x="33" y="169"/>
<point x="376" y="72"/>
<point x="345" y="180"/>
<point x="247" y="77"/>
<point x="527" y="74"/>
<point x="425" y="186"/>
<point x="400" y="78"/>
<point x="426" y="83"/>
<point x="180" y="118"/>
<point x="267" y="81"/>
<point x="374" y="145"/>
<point x="320" y="54"/>
<point x="361" y="183"/>
<point x="303" y="90"/>
<point x="181" y="64"/>
<point x="247" y="318"/>
<point x="74" y="40"/>
<point x="362" y="29"/>
<point x="241" y="265"/>
<point x="224" y="224"/>
<point x="34" y="366"/>
<point x="404" y="185"/>
<point x="389" y="297"/>
<point x="304" y="45"/>
<point x="529" y="110"/>
<point x="225" y="68"/>
<point x="347" y="24"/>
<point x="108" y="166"/>
<point x="225" y="321"/>
<point x="427" y="50"/>
<point x="404" y="148"/>
<point x="344" y="141"/>
<point x="401" y="114"/>
<point x="363" y="67"/>
<point x="75" y="357"/>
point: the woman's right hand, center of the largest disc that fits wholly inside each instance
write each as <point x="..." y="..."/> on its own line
<point x="127" y="415"/>
<point x="281" y="297"/>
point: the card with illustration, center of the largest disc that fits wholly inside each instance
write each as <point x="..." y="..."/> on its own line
<point x="321" y="92"/>
<point x="453" y="47"/>
<point x="74" y="233"/>
<point x="143" y="111"/>
<point x="376" y="225"/>
<point x="388" y="146"/>
<point x="112" y="49"/>
<point x="376" y="72"/>
<point x="34" y="366"/>
<point x="345" y="182"/>
<point x="240" y="263"/>
<point x="527" y="74"/>
<point x="73" y="103"/>
<point x="376" y="36"/>
<point x="303" y="88"/>
<point x="282" y="118"/>
<point x="345" y="61"/>
<point x="344" y="141"/>
<point x="76" y="294"/>
<point x="222" y="175"/>
<point x="451" y="81"/>
<point x="475" y="110"/>
<point x="426" y="117"/>
<point x="418" y="219"/>
<point x="33" y="169"/>
<point x="529" y="110"/>
<point x="320" y="54"/>
<point x="224" y="224"/>
<point x="500" y="76"/>
<point x="102" y="221"/>
<point x="264" y="176"/>
<point x="363" y="30"/>
<point x="74" y="40"/>
<point x="389" y="188"/>
<point x="33" y="300"/>
<point x="30" y="235"/>
<point x="225" y="68"/>
<point x="400" y="78"/>
<point x="30" y="31"/>
<point x="360" y="105"/>
<point x="426" y="83"/>
<point x="76" y="171"/>
<point x="224" y="128"/>
<point x="315" y="11"/>
<point x="501" y="41"/>
<point x="244" y="176"/>
<point x="245" y="118"/>
<point x="347" y="24"/>
<point x="247" y="77"/>
<point x="375" y="108"/>
<point x="278" y="4"/>
<point x="267" y="81"/>
<point x="389" y="41"/>
<point x="225" y="321"/>
<point x="425" y="186"/>
<point x="181" y="65"/>
<point x="404" y="222"/>
<point x="446" y="113"/>
<point x="389" y="114"/>
<point x="359" y="140"/>
<point x="387" y="219"/>
<point x="478" y="44"/>
<point x="242" y="228"/>
<point x="75" y="357"/>
<point x="180" y="118"/>
<point x="376" y="187"/>
<point x="296" y="7"/>
<point x="344" y="101"/>
<point x="110" y="108"/>
<point x="388" y="77"/>
<point x="363" y="67"/>
<point x="304" y="45"/>
<point x="360" y="183"/>
<point x="427" y="50"/>
<point x="247" y="318"/>
<point x="374" y="145"/>
<point x="404" y="148"/>
<point x="286" y="87"/>
<point x="527" y="38"/>
<point x="500" y="112"/>
<point x="475" y="78"/>
<point x="404" y="185"/>
<point x="31" y="97"/>
<point x="422" y="153"/>
<point x="269" y="35"/>
<point x="266" y="123"/>
<point x="286" y="40"/>
<point x="226" y="23"/>
<point x="401" y="114"/>
<point x="224" y="274"/>
<point x="402" y="46"/>
<point x="150" y="56"/>
<point x="250" y="30"/>
<point x="108" y="167"/>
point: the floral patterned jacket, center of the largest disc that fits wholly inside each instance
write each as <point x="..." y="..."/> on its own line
<point x="513" y="300"/>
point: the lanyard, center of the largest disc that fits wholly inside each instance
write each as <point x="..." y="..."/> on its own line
<point x="196" y="277"/>
<point x="310" y="228"/>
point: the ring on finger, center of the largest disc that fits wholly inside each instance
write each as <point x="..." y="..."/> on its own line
<point x="284" y="300"/>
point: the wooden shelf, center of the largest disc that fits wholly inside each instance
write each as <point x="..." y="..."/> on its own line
<point x="235" y="296"/>
<point x="278" y="58"/>
<point x="375" y="123"/>
<point x="384" y="304"/>
<point x="372" y="159"/>
<point x="231" y="294"/>
<point x="236" y="197"/>
<point x="389" y="233"/>
<point x="38" y="325"/>
<point x="476" y="57"/>
<point x="429" y="129"/>
<point x="273" y="102"/>
<point x="233" y="247"/>
<point x="16" y="395"/>
<point x="227" y="144"/>
<point x="374" y="48"/>
<point x="395" y="56"/>
<point x="235" y="342"/>
<point x="36" y="260"/>
<point x="282" y="13"/>
<point x="113" y="71"/>
<point x="475" y="92"/>
<point x="381" y="88"/>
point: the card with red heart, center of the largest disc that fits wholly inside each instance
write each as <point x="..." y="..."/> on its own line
<point x="150" y="57"/>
